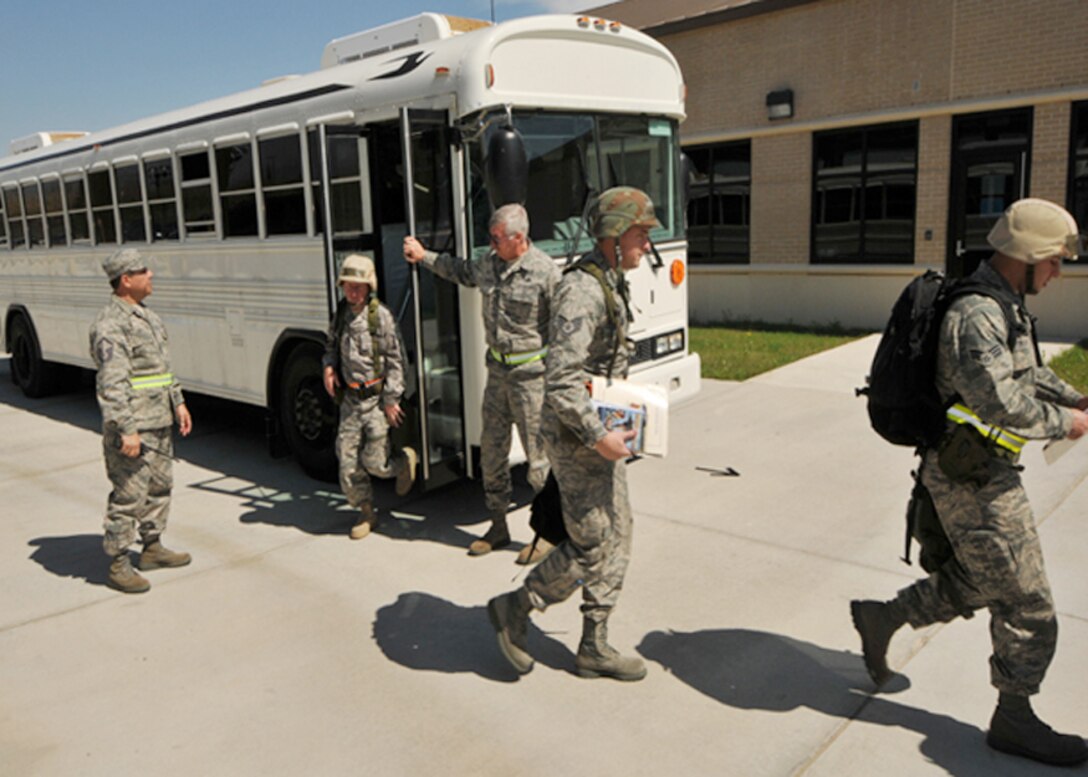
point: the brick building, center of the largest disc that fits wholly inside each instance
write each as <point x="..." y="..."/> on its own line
<point x="839" y="147"/>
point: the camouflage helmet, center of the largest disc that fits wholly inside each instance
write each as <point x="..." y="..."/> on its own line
<point x="359" y="268"/>
<point x="1033" y="230"/>
<point x="620" y="208"/>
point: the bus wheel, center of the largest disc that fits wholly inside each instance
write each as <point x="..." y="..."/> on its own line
<point x="308" y="415"/>
<point x="29" y="371"/>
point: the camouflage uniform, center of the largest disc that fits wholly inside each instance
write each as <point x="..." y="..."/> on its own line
<point x="136" y="393"/>
<point x="593" y="490"/>
<point x="998" y="560"/>
<point x="517" y="308"/>
<point x="363" y="447"/>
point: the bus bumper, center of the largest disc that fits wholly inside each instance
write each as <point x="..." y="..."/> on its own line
<point x="681" y="377"/>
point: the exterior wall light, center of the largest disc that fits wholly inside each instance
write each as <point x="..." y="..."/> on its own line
<point x="780" y="104"/>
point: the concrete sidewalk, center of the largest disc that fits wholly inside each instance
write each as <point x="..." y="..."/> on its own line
<point x="286" y="649"/>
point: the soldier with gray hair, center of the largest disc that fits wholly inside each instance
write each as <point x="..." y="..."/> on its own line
<point x="998" y="397"/>
<point x="517" y="281"/>
<point x="589" y="337"/>
<point x="140" y="399"/>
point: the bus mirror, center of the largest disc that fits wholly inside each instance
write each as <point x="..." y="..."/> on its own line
<point x="507" y="168"/>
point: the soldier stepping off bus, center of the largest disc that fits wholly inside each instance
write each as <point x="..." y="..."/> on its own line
<point x="364" y="371"/>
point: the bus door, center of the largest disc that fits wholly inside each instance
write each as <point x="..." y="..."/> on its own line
<point x="434" y="337"/>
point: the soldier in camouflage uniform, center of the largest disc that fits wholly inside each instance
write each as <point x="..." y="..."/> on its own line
<point x="1002" y="397"/>
<point x="589" y="337"/>
<point x="363" y="366"/>
<point x="139" y="399"/>
<point x="517" y="281"/>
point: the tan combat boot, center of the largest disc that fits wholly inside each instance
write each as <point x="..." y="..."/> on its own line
<point x="509" y="614"/>
<point x="534" y="551"/>
<point x="596" y="658"/>
<point x="498" y="536"/>
<point x="156" y="556"/>
<point x="366" y="522"/>
<point x="877" y="622"/>
<point x="406" y="478"/>
<point x="124" y="578"/>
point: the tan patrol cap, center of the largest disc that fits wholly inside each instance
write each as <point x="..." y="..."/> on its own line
<point x="1032" y="230"/>
<point x="359" y="268"/>
<point x="127" y="260"/>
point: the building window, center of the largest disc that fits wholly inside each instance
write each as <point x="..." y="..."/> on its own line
<point x="161" y="199"/>
<point x="719" y="203"/>
<point x="864" y="185"/>
<point x="105" y="228"/>
<point x="237" y="192"/>
<point x="196" y="193"/>
<point x="75" y="192"/>
<point x="54" y="212"/>
<point x="281" y="185"/>
<point x="1078" y="173"/>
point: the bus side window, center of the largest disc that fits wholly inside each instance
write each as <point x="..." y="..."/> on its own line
<point x="3" y="226"/>
<point x="14" y="206"/>
<point x="161" y="201"/>
<point x="237" y="192"/>
<point x="282" y="186"/>
<point x="32" y="201"/>
<point x="75" y="192"/>
<point x="54" y="212"/>
<point x="130" y="203"/>
<point x="105" y="227"/>
<point x="196" y="193"/>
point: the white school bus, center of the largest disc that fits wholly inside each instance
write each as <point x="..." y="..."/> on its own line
<point x="248" y="203"/>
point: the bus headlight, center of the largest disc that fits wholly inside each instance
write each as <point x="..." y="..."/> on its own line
<point x="668" y="343"/>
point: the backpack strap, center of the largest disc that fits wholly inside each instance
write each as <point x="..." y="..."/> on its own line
<point x="372" y="328"/>
<point x="610" y="306"/>
<point x="1006" y="301"/>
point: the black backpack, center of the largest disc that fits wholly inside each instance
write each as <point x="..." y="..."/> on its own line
<point x="904" y="406"/>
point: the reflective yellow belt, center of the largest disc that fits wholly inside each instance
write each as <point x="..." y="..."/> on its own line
<point x="961" y="414"/>
<point x="142" y="382"/>
<point x="514" y="359"/>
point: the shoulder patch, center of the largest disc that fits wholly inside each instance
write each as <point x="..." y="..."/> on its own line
<point x="568" y="326"/>
<point x="104" y="350"/>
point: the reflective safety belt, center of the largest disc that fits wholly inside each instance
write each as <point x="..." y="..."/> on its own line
<point x="515" y="359"/>
<point x="142" y="382"/>
<point x="961" y="414"/>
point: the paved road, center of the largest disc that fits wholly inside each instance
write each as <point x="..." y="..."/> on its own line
<point x="286" y="649"/>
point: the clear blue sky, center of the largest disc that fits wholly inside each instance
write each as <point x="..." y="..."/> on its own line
<point x="94" y="64"/>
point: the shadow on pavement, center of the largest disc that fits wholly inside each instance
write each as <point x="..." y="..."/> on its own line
<point x="78" y="556"/>
<point x="763" y="671"/>
<point x="229" y="439"/>
<point x="424" y="632"/>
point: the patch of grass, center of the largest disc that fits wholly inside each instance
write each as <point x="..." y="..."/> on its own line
<point x="1072" y="366"/>
<point x="740" y="351"/>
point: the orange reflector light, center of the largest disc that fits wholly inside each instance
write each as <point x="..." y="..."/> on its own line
<point x="615" y="26"/>
<point x="599" y="24"/>
<point x="583" y="21"/>
<point x="489" y="75"/>
<point x="442" y="71"/>
<point x="676" y="272"/>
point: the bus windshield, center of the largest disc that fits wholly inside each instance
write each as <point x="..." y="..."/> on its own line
<point x="573" y="155"/>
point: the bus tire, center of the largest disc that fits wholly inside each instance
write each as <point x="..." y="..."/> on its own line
<point x="308" y="416"/>
<point x="33" y="375"/>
